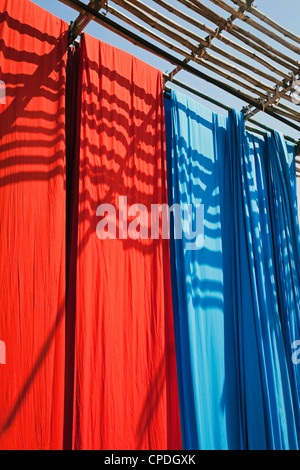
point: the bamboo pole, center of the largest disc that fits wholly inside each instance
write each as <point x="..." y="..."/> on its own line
<point x="272" y="99"/>
<point x="194" y="47"/>
<point x="83" y="20"/>
<point x="236" y="71"/>
<point x="222" y="73"/>
<point x="287" y="108"/>
<point x="255" y="131"/>
<point x="181" y="64"/>
<point x="217" y="34"/>
<point x="241" y="16"/>
<point x="141" y="42"/>
<point x="280" y="111"/>
<point x="154" y="23"/>
<point x="261" y="16"/>
<point x="75" y="7"/>
<point x="186" y="54"/>
<point x="248" y="66"/>
<point x="207" y="57"/>
<point x="226" y="108"/>
<point x="121" y="16"/>
<point x="204" y="42"/>
<point x="223" y="65"/>
<point x="197" y="6"/>
<point x="209" y="13"/>
<point x="204" y="56"/>
<point x="262" y="50"/>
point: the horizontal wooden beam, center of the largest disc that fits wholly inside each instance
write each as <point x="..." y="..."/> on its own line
<point x="141" y="42"/>
<point x="83" y="20"/>
<point x="262" y="17"/>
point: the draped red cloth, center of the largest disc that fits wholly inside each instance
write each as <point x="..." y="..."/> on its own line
<point x="125" y="386"/>
<point x="32" y="226"/>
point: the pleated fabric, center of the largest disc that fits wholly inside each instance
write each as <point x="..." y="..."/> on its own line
<point x="125" y="385"/>
<point x="267" y="413"/>
<point x="32" y="226"/>
<point x="237" y="384"/>
<point x="196" y="139"/>
<point x="286" y="239"/>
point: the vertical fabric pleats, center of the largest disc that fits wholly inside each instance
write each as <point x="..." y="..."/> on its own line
<point x="267" y="413"/>
<point x="280" y="168"/>
<point x="125" y="384"/>
<point x="196" y="140"/>
<point x="32" y="226"/>
<point x="236" y="304"/>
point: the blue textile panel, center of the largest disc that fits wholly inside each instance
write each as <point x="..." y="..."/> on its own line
<point x="267" y="411"/>
<point x="195" y="140"/>
<point x="286" y="239"/>
<point x="236" y="299"/>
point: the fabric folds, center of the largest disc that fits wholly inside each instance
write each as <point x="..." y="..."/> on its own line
<point x="32" y="226"/>
<point x="286" y="239"/>
<point x="236" y="306"/>
<point x="196" y="139"/>
<point x="125" y="386"/>
<point x="149" y="258"/>
<point x="267" y="413"/>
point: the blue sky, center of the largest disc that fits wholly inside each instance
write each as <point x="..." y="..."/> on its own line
<point x="285" y="13"/>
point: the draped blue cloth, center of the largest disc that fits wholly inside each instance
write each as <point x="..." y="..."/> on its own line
<point x="196" y="138"/>
<point x="283" y="206"/>
<point x="236" y="300"/>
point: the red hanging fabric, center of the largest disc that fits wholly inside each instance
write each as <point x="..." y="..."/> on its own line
<point x="125" y="386"/>
<point x="33" y="47"/>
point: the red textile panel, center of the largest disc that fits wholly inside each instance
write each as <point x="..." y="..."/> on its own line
<point x="32" y="226"/>
<point x="125" y="387"/>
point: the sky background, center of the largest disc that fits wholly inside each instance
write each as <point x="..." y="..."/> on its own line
<point x="286" y="13"/>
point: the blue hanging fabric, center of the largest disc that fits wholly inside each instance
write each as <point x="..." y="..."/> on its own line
<point x="196" y="139"/>
<point x="237" y="386"/>
<point x="286" y="239"/>
<point x="265" y="395"/>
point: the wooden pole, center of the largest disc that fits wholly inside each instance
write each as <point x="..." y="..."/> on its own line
<point x="217" y="34"/>
<point x="83" y="20"/>
<point x="198" y="7"/>
<point x="262" y="17"/>
<point x="241" y="16"/>
<point x="140" y="41"/>
<point x="200" y="55"/>
<point x="200" y="52"/>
